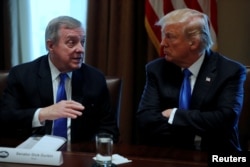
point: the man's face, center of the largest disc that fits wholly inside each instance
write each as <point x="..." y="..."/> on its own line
<point x="67" y="54"/>
<point x="175" y="46"/>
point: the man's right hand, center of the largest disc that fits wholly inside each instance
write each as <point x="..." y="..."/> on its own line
<point x="62" y="109"/>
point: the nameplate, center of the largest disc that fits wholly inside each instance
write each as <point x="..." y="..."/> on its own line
<point x="30" y="156"/>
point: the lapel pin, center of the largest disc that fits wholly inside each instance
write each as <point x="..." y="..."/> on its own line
<point x="208" y="79"/>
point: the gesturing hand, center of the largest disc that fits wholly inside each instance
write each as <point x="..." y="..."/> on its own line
<point x="62" y="109"/>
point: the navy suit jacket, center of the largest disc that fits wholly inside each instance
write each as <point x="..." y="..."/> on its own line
<point x="30" y="87"/>
<point x="215" y="108"/>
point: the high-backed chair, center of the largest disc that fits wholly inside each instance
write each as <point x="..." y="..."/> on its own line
<point x="115" y="89"/>
<point x="244" y="122"/>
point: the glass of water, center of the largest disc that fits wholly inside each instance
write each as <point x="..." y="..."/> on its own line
<point x="104" y="149"/>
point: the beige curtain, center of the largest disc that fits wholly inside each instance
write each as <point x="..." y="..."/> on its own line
<point x="118" y="45"/>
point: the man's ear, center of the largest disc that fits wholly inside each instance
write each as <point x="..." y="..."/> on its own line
<point x="50" y="45"/>
<point x="193" y="44"/>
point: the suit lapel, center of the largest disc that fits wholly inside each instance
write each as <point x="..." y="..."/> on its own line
<point x="204" y="81"/>
<point x="45" y="87"/>
<point x="45" y="82"/>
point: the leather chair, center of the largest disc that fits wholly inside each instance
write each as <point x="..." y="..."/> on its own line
<point x="115" y="89"/>
<point x="114" y="85"/>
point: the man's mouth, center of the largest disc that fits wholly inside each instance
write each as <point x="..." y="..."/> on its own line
<point x="77" y="58"/>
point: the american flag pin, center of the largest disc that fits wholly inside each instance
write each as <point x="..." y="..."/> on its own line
<point x="208" y="79"/>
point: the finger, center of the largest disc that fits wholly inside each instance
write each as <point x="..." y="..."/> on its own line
<point x="73" y="116"/>
<point x="74" y="106"/>
<point x="69" y="115"/>
<point x="73" y="112"/>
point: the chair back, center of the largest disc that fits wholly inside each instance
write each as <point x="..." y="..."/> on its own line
<point x="115" y="90"/>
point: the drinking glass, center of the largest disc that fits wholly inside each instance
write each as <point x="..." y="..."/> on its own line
<point x="104" y="149"/>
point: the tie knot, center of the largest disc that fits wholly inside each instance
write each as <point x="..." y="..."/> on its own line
<point x="62" y="76"/>
<point x="187" y="73"/>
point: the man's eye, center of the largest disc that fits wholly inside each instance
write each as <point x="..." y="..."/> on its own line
<point x="70" y="43"/>
<point x="82" y="42"/>
<point x="169" y="36"/>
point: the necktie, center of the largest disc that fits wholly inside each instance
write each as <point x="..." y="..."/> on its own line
<point x="185" y="93"/>
<point x="60" y="125"/>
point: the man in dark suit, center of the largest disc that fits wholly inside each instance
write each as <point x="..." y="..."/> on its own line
<point x="29" y="101"/>
<point x="216" y="84"/>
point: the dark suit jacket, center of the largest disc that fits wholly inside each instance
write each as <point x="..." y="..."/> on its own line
<point x="30" y="87"/>
<point x="215" y="105"/>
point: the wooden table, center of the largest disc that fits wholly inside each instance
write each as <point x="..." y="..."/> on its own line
<point x="81" y="155"/>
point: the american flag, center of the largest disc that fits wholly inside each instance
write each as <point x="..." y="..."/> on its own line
<point x="155" y="9"/>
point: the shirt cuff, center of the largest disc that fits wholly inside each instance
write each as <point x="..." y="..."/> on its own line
<point x="171" y="117"/>
<point x="35" y="121"/>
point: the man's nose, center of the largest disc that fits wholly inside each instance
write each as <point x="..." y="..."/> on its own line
<point x="164" y="43"/>
<point x="80" y="48"/>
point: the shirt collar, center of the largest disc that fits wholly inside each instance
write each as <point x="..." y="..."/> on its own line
<point x="195" y="67"/>
<point x="55" y="72"/>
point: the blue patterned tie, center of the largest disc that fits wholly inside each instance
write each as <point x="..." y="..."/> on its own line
<point x="185" y="93"/>
<point x="60" y="125"/>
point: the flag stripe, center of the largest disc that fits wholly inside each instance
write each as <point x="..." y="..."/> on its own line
<point x="193" y="5"/>
<point x="167" y="6"/>
<point x="153" y="31"/>
<point x="213" y="15"/>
